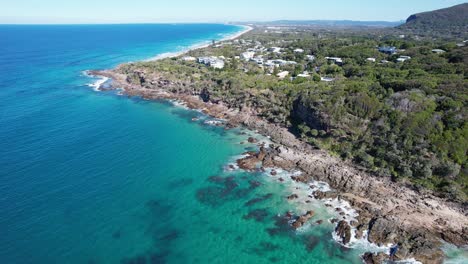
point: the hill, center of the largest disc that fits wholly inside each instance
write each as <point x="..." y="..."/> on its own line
<point x="448" y="21"/>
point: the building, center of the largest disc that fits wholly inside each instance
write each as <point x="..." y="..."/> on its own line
<point x="279" y="62"/>
<point x="214" y="62"/>
<point x="370" y="59"/>
<point x="336" y="60"/>
<point x="310" y="57"/>
<point x="438" y="51"/>
<point x="298" y="51"/>
<point x="275" y="49"/>
<point x="388" y="50"/>
<point x="403" y="58"/>
<point x="257" y="60"/>
<point x="304" y="75"/>
<point x="189" y="58"/>
<point x="282" y="74"/>
<point x="247" y="55"/>
<point x="327" y="79"/>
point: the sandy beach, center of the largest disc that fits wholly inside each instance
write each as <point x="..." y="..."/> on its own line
<point x="200" y="45"/>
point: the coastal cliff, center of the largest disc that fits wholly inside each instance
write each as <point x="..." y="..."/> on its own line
<point x="388" y="137"/>
<point x="389" y="212"/>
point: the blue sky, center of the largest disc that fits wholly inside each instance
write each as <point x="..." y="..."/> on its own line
<point x="146" y="11"/>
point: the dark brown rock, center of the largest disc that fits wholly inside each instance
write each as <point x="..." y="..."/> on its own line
<point x="303" y="219"/>
<point x="325" y="195"/>
<point x="252" y="140"/>
<point x="374" y="258"/>
<point x="343" y="230"/>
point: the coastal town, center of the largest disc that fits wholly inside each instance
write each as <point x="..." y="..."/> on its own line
<point x="289" y="61"/>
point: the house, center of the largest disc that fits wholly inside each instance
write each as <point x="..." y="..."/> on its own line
<point x="214" y="62"/>
<point x="310" y="57"/>
<point x="275" y="49"/>
<point x="269" y="63"/>
<point x="384" y="61"/>
<point x="336" y="60"/>
<point x="247" y="55"/>
<point x="279" y="62"/>
<point x="188" y="58"/>
<point x="298" y="51"/>
<point x="438" y="51"/>
<point x="403" y="58"/>
<point x="304" y="75"/>
<point x="388" y="50"/>
<point x="282" y="74"/>
<point x="327" y="79"/>
<point x="257" y="60"/>
<point x="217" y="64"/>
<point x="370" y="59"/>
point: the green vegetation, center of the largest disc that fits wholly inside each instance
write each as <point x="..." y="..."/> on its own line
<point x="406" y="121"/>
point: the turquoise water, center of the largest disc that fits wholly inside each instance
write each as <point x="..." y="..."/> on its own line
<point x="93" y="177"/>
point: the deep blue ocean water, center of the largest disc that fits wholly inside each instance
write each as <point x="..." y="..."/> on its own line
<point x="93" y="177"/>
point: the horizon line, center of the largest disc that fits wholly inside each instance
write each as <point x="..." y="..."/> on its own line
<point x="203" y="22"/>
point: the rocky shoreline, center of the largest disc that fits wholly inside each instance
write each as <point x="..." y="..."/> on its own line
<point x="388" y="212"/>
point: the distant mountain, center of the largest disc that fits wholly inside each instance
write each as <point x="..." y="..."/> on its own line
<point x="335" y="23"/>
<point x="452" y="20"/>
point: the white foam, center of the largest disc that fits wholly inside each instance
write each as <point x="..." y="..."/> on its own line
<point x="179" y="103"/>
<point x="98" y="83"/>
<point x="214" y="122"/>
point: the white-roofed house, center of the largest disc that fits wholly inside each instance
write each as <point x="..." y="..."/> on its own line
<point x="247" y="55"/>
<point x="282" y="74"/>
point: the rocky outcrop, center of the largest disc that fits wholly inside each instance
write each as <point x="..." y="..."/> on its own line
<point x="374" y="258"/>
<point x="343" y="230"/>
<point x="301" y="220"/>
<point x="309" y="115"/>
<point x="389" y="210"/>
<point x="324" y="195"/>
<point x="252" y="160"/>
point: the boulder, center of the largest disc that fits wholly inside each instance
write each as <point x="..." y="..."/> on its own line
<point x="293" y="196"/>
<point x="343" y="230"/>
<point x="325" y="195"/>
<point x="252" y="140"/>
<point x="374" y="258"/>
<point x="303" y="219"/>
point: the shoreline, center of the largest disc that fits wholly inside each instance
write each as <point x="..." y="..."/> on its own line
<point x="200" y="45"/>
<point x="380" y="203"/>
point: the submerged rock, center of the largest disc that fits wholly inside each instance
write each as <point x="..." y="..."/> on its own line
<point x="258" y="215"/>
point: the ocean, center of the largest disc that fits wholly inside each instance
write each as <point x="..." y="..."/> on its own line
<point x="95" y="177"/>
